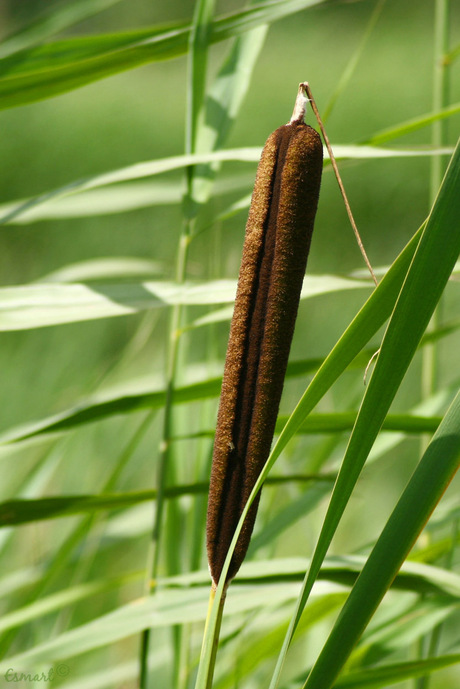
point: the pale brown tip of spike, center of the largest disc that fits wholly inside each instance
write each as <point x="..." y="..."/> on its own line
<point x="300" y="107"/>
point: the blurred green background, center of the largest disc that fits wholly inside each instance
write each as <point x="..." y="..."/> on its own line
<point x="140" y="115"/>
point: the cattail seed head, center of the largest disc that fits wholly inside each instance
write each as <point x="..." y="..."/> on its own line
<point x="277" y="242"/>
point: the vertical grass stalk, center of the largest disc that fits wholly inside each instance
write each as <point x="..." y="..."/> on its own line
<point x="439" y="138"/>
<point x="437" y="167"/>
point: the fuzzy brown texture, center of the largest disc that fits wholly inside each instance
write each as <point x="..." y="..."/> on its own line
<point x="277" y="242"/>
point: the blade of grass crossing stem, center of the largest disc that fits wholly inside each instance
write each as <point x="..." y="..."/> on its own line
<point x="433" y="262"/>
<point x="424" y="490"/>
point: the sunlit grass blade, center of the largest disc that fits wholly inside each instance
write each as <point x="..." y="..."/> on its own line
<point x="119" y="198"/>
<point x="424" y="490"/>
<point x="43" y="304"/>
<point x="155" y="167"/>
<point x="105" y="269"/>
<point x="171" y="606"/>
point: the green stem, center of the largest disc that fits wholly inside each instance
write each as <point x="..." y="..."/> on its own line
<point x="439" y="133"/>
<point x="440" y="90"/>
<point x="439" y="138"/>
<point x="165" y="447"/>
<point x="216" y="633"/>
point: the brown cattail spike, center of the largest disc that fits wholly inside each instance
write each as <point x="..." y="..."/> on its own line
<point x="277" y="242"/>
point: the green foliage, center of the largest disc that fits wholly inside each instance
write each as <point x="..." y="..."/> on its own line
<point x="120" y="251"/>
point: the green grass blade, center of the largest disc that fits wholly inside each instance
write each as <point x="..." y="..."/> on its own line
<point x="423" y="492"/>
<point x="339" y="422"/>
<point x="105" y="269"/>
<point x="340" y="569"/>
<point x="383" y="676"/>
<point x="51" y="22"/>
<point x="55" y="68"/>
<point x="198" y="59"/>
<point x="121" y="198"/>
<point x="412" y="125"/>
<point x="221" y="107"/>
<point x="369" y="319"/>
<point x="344" y="421"/>
<point x="44" y="304"/>
<point x="15" y="512"/>
<point x="25" y="511"/>
<point x="155" y="167"/>
<point x="171" y="606"/>
<point x="61" y="599"/>
<point x="183" y="599"/>
<point x="126" y="401"/>
<point x="365" y="325"/>
<point x="433" y="262"/>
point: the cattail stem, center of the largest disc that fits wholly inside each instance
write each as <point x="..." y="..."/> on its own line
<point x="214" y="632"/>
